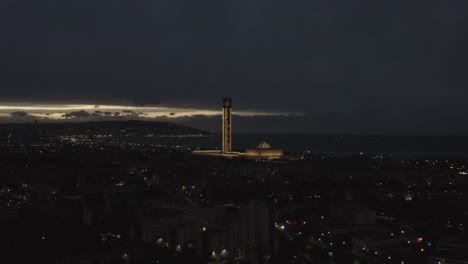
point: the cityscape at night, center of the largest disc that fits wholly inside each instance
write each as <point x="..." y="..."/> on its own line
<point x="233" y="132"/>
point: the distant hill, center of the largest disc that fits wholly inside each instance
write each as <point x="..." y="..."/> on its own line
<point x="116" y="129"/>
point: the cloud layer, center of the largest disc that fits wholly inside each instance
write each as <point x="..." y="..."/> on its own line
<point x="398" y="65"/>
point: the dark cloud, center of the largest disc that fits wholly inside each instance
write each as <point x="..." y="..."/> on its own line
<point x="365" y="60"/>
<point x="77" y="114"/>
<point x="130" y="114"/>
<point x="18" y="114"/>
<point x="18" y="117"/>
<point x="150" y="100"/>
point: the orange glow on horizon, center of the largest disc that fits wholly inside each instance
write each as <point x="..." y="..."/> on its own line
<point x="57" y="111"/>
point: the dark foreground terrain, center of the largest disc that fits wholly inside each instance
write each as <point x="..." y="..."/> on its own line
<point x="86" y="200"/>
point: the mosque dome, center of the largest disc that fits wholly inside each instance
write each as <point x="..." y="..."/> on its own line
<point x="264" y="145"/>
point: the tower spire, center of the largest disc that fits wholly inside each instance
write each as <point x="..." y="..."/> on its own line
<point x="227" y="103"/>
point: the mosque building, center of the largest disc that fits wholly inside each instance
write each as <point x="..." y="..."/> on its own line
<point x="262" y="152"/>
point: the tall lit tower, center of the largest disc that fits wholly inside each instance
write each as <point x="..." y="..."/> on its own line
<point x="227" y="125"/>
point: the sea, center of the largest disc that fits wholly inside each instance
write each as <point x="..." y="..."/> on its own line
<point x="405" y="146"/>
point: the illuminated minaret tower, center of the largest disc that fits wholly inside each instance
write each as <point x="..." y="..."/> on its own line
<point x="227" y="143"/>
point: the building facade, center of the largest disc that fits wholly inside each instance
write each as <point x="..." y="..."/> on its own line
<point x="256" y="225"/>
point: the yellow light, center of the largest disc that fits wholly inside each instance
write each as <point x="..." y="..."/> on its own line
<point x="55" y="111"/>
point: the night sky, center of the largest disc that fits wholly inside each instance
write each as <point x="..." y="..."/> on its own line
<point x="309" y="66"/>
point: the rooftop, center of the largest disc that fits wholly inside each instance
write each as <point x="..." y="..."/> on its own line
<point x="264" y="145"/>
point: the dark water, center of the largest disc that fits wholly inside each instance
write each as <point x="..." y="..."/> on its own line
<point x="403" y="146"/>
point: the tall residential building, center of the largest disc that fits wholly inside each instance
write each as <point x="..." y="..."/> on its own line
<point x="451" y="250"/>
<point x="227" y="124"/>
<point x="256" y="236"/>
<point x="353" y="213"/>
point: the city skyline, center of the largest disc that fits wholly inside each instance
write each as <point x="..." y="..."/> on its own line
<point x="233" y="132"/>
